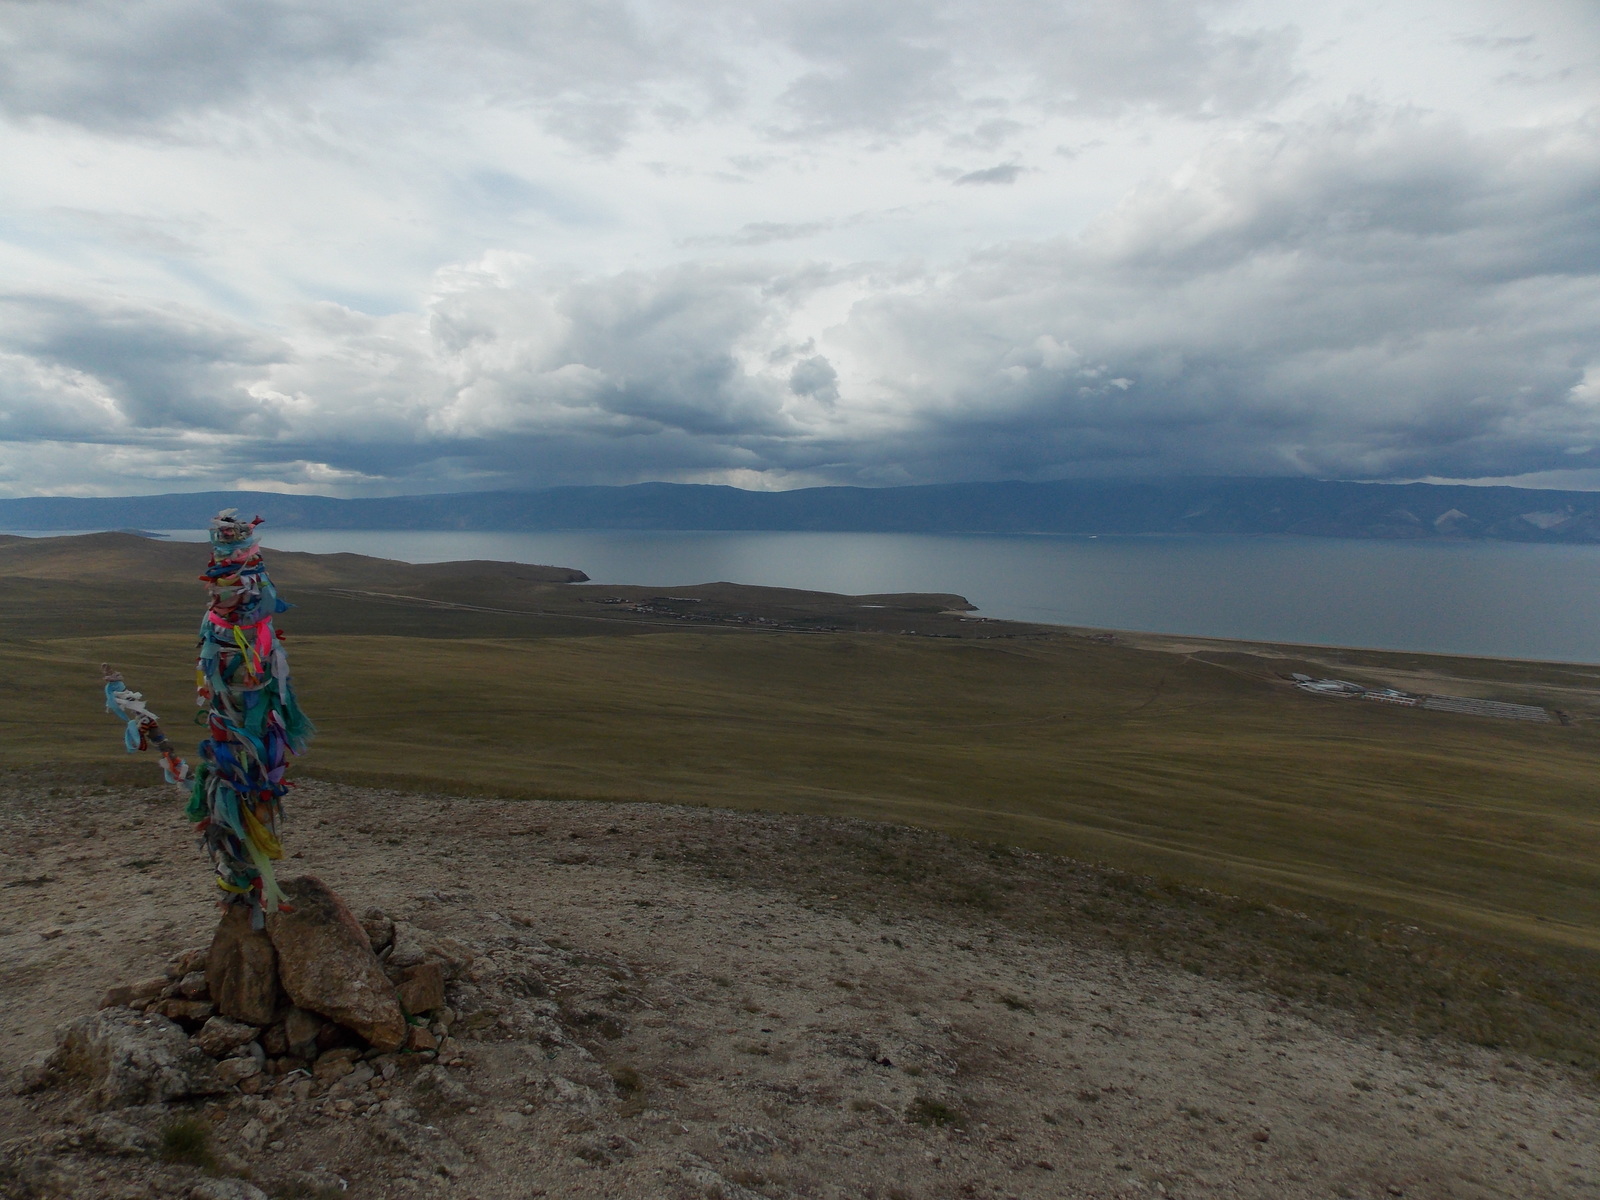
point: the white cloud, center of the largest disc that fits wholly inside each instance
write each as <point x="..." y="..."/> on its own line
<point x="512" y="243"/>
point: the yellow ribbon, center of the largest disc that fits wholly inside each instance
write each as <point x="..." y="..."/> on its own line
<point x="260" y="835"/>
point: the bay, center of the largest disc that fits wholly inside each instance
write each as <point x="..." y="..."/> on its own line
<point x="1500" y="599"/>
<point x="1460" y="597"/>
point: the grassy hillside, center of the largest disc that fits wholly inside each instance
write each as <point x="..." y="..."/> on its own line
<point x="1193" y="762"/>
<point x="1128" y="757"/>
<point x="1190" y="761"/>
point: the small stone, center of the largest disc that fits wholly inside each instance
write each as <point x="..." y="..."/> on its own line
<point x="193" y="959"/>
<point x="335" y="1064"/>
<point x="252" y="1085"/>
<point x="185" y="1010"/>
<point x="193" y="986"/>
<point x="326" y="963"/>
<point x="422" y="987"/>
<point x="222" y="1035"/>
<point x="253" y="1049"/>
<point x="242" y="969"/>
<point x="253" y="1135"/>
<point x="124" y="995"/>
<point x="418" y="1038"/>
<point x="300" y="1030"/>
<point x="234" y="1070"/>
<point x="1261" y="1135"/>
<point x="379" y="929"/>
<point x="408" y="950"/>
<point x="275" y="1041"/>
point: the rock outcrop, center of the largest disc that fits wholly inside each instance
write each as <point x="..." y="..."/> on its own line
<point x="255" y="1006"/>
<point x="129" y="1058"/>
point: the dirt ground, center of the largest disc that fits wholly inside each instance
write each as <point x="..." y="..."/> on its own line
<point x="630" y="1023"/>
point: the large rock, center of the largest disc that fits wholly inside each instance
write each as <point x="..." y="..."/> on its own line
<point x="242" y="969"/>
<point x="129" y="1058"/>
<point x="326" y="964"/>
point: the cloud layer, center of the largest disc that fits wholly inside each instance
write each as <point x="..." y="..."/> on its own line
<point x="414" y="247"/>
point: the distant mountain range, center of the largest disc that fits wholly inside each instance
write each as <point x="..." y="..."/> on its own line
<point x="1318" y="508"/>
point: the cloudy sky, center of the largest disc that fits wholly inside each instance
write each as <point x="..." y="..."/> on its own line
<point x="384" y="246"/>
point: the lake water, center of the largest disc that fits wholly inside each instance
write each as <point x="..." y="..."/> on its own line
<point x="1502" y="599"/>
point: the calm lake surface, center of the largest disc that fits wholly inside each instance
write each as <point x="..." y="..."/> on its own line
<point x="1502" y="599"/>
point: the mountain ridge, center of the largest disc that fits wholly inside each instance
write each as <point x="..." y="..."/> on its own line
<point x="1310" y="507"/>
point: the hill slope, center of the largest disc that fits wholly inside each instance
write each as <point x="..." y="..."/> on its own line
<point x="649" y="1001"/>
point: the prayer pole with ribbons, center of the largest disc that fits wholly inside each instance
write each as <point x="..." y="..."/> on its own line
<point x="253" y="722"/>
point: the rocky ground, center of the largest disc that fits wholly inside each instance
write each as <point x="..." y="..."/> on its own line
<point x="625" y="1017"/>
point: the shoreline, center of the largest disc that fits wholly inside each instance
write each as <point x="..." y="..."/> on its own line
<point x="1016" y="612"/>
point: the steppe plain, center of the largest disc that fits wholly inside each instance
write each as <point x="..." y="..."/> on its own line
<point x="1010" y="910"/>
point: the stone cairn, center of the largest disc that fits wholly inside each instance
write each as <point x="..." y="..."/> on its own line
<point x="314" y="1000"/>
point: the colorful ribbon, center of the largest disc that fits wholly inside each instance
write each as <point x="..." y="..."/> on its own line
<point x="142" y="728"/>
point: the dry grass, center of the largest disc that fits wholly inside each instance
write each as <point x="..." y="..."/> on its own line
<point x="1188" y="765"/>
<point x="1396" y="975"/>
<point x="1138" y="759"/>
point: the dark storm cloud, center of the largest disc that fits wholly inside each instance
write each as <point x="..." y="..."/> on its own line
<point x="116" y="370"/>
<point x="1374" y="295"/>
